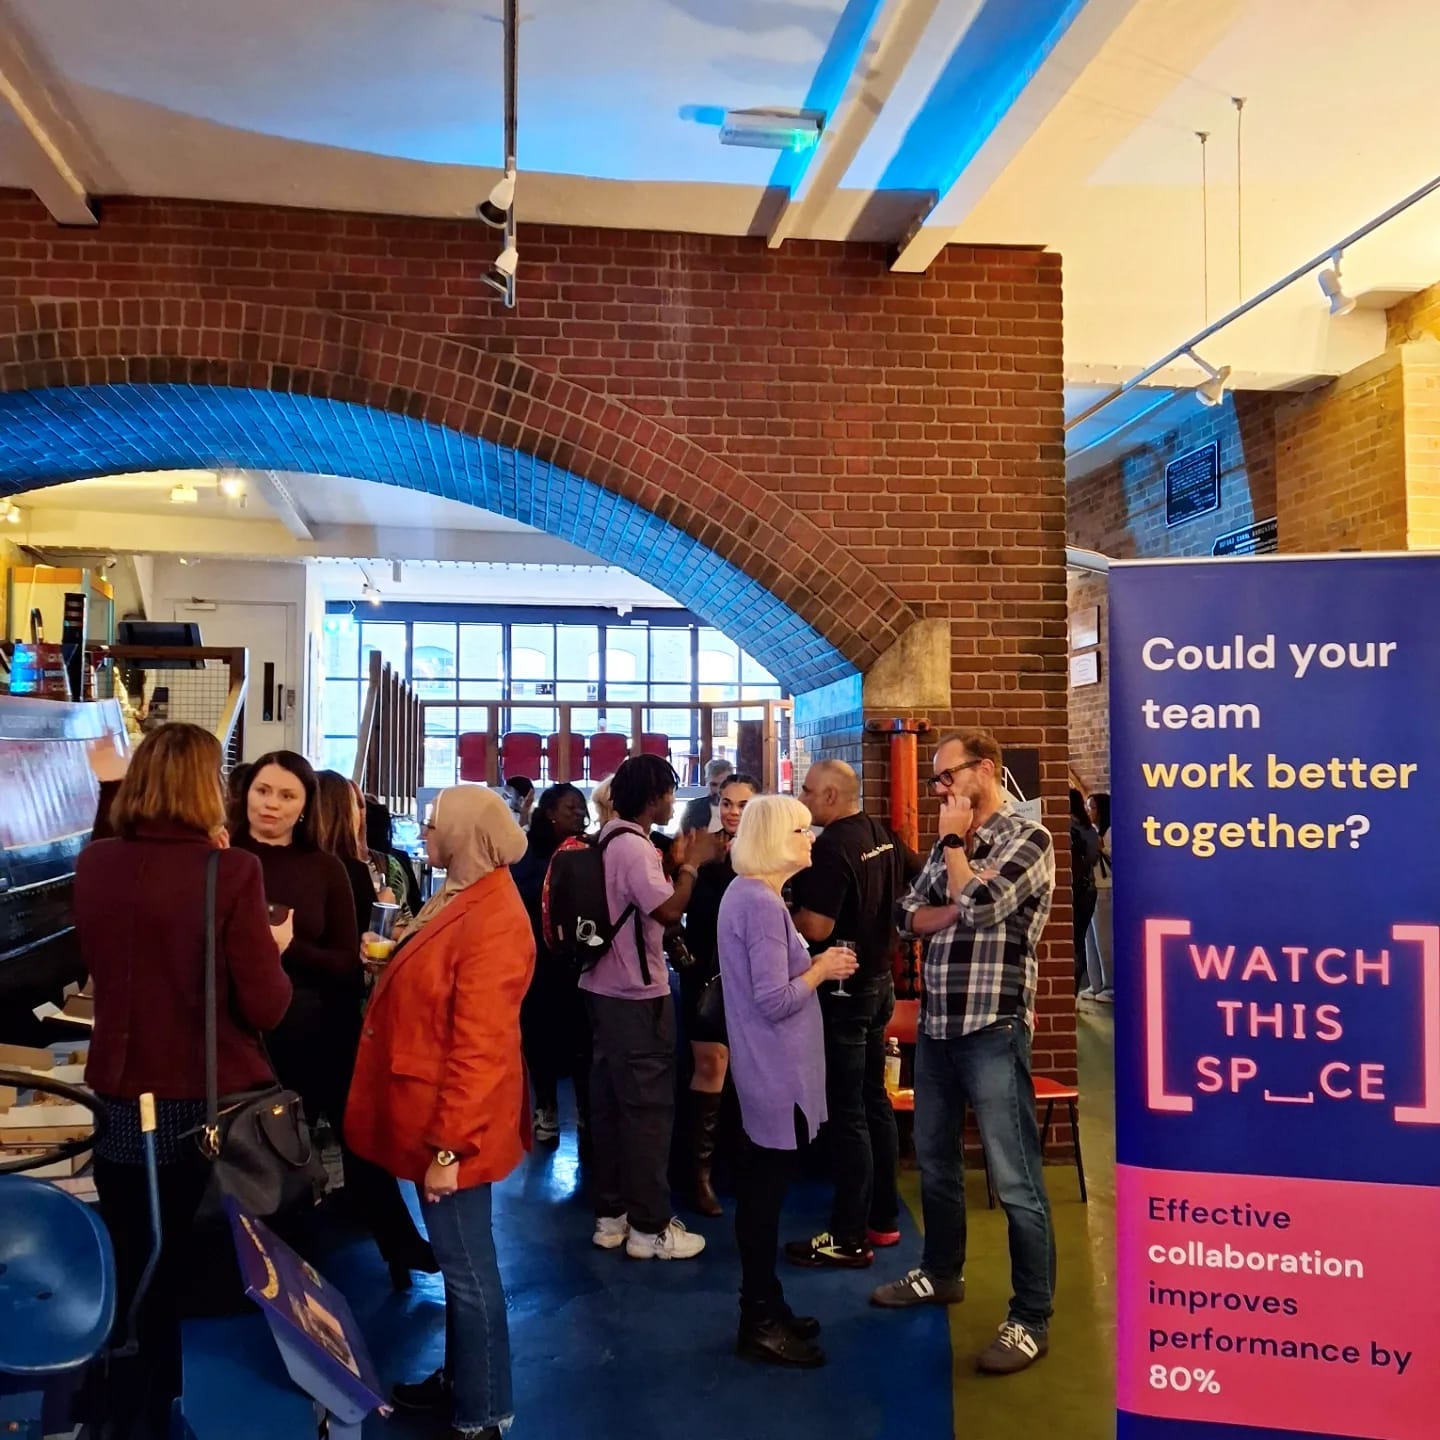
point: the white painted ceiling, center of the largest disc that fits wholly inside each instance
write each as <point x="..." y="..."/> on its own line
<point x="1064" y="123"/>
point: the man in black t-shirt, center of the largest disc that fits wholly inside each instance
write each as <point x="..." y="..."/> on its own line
<point x="858" y="870"/>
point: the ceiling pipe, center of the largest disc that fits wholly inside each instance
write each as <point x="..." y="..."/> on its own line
<point x="1299" y="273"/>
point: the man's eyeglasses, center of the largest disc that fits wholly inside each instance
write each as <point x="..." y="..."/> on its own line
<point x="946" y="778"/>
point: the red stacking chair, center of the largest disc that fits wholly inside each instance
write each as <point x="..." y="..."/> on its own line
<point x="607" y="754"/>
<point x="577" y="758"/>
<point x="653" y="744"/>
<point x="519" y="755"/>
<point x="474" y="756"/>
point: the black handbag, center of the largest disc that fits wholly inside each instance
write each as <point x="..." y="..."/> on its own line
<point x="710" y="1010"/>
<point x="257" y="1142"/>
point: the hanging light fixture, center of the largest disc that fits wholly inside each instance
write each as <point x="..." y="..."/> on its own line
<point x="1210" y="392"/>
<point x="9" y="512"/>
<point x="1333" y="289"/>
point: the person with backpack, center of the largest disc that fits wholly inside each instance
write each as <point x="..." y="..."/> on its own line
<point x="609" y="906"/>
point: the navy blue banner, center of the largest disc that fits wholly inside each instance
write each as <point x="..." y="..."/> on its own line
<point x="1275" y="730"/>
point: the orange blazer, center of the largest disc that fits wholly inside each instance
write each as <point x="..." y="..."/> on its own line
<point x="439" y="1066"/>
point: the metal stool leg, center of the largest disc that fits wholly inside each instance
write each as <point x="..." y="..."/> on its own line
<point x="1045" y="1127"/>
<point x="1079" y="1157"/>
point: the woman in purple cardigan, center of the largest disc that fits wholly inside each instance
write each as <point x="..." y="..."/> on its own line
<point x="777" y="1056"/>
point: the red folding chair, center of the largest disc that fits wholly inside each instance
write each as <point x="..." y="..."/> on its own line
<point x="607" y="754"/>
<point x="519" y="755"/>
<point x="474" y="757"/>
<point x="653" y="744"/>
<point x="577" y="758"/>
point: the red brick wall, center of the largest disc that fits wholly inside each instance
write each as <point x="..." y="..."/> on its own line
<point x="906" y="428"/>
<point x="1119" y="511"/>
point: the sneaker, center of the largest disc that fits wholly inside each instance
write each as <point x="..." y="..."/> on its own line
<point x="546" y="1126"/>
<point x="610" y="1231"/>
<point x="1086" y="994"/>
<point x="882" y="1239"/>
<point x="1015" y="1348"/>
<point x="674" y="1242"/>
<point x="823" y="1250"/>
<point x="1105" y="997"/>
<point x="432" y="1393"/>
<point x="918" y="1288"/>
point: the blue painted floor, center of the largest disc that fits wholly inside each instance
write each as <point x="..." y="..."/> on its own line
<point x="604" y="1346"/>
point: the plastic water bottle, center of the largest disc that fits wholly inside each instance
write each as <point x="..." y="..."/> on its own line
<point x="892" y="1065"/>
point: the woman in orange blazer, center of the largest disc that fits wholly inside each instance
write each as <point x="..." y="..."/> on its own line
<point x="440" y="1095"/>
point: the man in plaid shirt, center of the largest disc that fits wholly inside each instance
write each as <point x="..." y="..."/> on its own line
<point x="980" y="906"/>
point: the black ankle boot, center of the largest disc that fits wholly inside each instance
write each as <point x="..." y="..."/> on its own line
<point x="772" y="1341"/>
<point x="705" y="1110"/>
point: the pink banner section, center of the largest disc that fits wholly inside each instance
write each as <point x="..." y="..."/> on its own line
<point x="1304" y="1305"/>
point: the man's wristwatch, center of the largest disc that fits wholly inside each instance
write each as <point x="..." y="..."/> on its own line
<point x="445" y="1158"/>
<point x="953" y="842"/>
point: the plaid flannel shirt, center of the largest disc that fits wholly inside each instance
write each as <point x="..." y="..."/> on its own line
<point x="984" y="967"/>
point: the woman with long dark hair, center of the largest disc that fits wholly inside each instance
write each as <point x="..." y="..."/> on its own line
<point x="314" y="1047"/>
<point x="553" y="1016"/>
<point x="140" y="915"/>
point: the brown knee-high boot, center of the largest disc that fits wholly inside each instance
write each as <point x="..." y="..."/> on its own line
<point x="705" y="1116"/>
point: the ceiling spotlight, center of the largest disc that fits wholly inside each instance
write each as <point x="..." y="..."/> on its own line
<point x="1212" y="391"/>
<point x="9" y="512"/>
<point x="496" y="210"/>
<point x="1332" y="288"/>
<point x="232" y="486"/>
<point x="184" y="494"/>
<point x="370" y="593"/>
<point x="507" y="261"/>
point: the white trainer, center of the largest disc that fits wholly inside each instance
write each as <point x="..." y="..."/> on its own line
<point x="610" y="1231"/>
<point x="674" y="1242"/>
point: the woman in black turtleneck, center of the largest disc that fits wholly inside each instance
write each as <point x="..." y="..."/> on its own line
<point x="314" y="1046"/>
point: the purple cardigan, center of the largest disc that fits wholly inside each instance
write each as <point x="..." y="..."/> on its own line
<point x="777" y="1039"/>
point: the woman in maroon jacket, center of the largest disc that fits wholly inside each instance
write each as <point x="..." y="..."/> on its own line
<point x="140" y="917"/>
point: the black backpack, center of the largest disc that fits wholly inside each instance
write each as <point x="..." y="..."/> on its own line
<point x="576" y="911"/>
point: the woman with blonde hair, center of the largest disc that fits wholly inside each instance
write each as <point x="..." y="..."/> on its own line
<point x="140" y="915"/>
<point x="777" y="1056"/>
<point x="439" y="1095"/>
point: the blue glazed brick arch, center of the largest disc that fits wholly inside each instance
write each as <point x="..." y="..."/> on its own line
<point x="50" y="436"/>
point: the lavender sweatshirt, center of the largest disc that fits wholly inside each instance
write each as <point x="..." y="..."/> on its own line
<point x="777" y="1039"/>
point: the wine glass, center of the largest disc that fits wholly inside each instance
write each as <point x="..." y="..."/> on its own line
<point x="842" y="945"/>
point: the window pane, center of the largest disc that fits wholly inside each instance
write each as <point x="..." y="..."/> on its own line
<point x="626" y="654"/>
<point x="617" y="722"/>
<point x="719" y="665"/>
<point x="340" y="645"/>
<point x="626" y="694"/>
<point x="670" y="656"/>
<point x="433" y="657"/>
<point x="338" y="755"/>
<point x="481" y="652"/>
<point x="577" y="652"/>
<point x="674" y="723"/>
<point x="532" y="652"/>
<point x="576" y="690"/>
<point x="584" y="722"/>
<point x="439" y="760"/>
<point x="532" y="721"/>
<point x="752" y="672"/>
<point x="340" y="708"/>
<point x="389" y="640"/>
<point x="437" y="722"/>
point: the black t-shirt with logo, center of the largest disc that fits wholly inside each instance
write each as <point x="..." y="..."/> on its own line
<point x="857" y="872"/>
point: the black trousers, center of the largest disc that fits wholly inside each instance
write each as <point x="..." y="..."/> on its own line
<point x="762" y="1177"/>
<point x="555" y="1033"/>
<point x="313" y="1051"/>
<point x="864" y="1142"/>
<point x="632" y="1108"/>
<point x="142" y="1389"/>
<point x="1082" y="911"/>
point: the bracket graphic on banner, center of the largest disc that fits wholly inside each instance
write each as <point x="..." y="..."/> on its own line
<point x="1275" y="773"/>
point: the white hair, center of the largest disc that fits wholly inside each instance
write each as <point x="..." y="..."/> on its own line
<point x="761" y="845"/>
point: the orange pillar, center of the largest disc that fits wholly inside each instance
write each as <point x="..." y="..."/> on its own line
<point x="905" y="820"/>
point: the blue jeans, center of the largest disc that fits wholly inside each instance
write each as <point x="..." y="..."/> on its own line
<point x="988" y="1070"/>
<point x="477" y="1338"/>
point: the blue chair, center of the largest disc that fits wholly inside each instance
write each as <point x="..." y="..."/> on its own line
<point x="57" y="1295"/>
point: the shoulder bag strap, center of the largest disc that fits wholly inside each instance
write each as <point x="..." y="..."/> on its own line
<point x="211" y="1138"/>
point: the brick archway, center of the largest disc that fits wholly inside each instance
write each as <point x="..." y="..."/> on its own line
<point x="96" y="387"/>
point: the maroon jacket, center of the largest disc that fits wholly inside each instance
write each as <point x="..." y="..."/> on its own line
<point x="140" y="916"/>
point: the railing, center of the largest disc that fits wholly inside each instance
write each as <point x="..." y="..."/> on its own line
<point x="772" y="716"/>
<point x="390" y="750"/>
<point x="205" y="685"/>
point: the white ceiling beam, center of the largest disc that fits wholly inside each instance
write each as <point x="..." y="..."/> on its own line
<point x="888" y="49"/>
<point x="1067" y="58"/>
<point x="274" y="492"/>
<point x="60" y="155"/>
